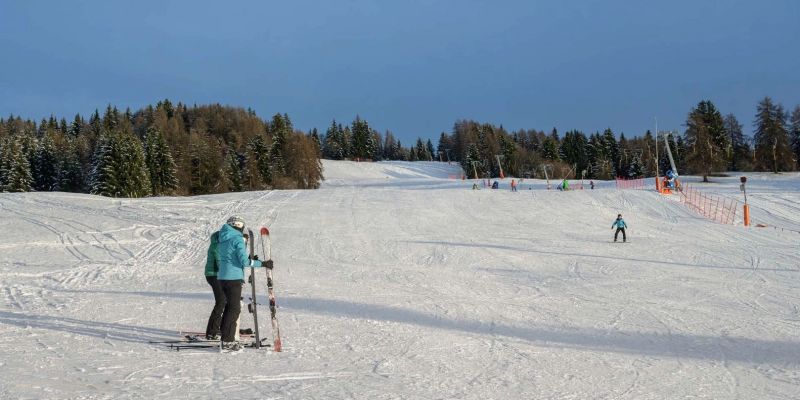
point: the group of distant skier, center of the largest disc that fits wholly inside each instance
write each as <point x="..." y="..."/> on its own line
<point x="562" y="186"/>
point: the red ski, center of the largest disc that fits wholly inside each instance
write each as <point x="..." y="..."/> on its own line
<point x="276" y="332"/>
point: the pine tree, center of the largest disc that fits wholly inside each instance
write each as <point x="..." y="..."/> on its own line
<point x="5" y="160"/>
<point x="361" y="141"/>
<point x="550" y="149"/>
<point x="740" y="151"/>
<point x="105" y="167"/>
<point x="771" y="137"/>
<point x="376" y="145"/>
<point x="472" y="162"/>
<point x="205" y="170"/>
<point x="111" y="118"/>
<point x="62" y="126"/>
<point x="331" y="146"/>
<point x="70" y="174"/>
<point x="234" y="171"/>
<point x="75" y="128"/>
<point x="573" y="150"/>
<point x="794" y="134"/>
<point x="611" y="150"/>
<point x="636" y="169"/>
<point x="315" y="137"/>
<point x="46" y="163"/>
<point x="346" y="135"/>
<point x="706" y="151"/>
<point x="260" y="156"/>
<point x="119" y="168"/>
<point x="508" y="150"/>
<point x="160" y="164"/>
<point x="429" y="148"/>
<point x="96" y="124"/>
<point x="18" y="176"/>
<point x="136" y="180"/>
<point x="445" y="145"/>
<point x="280" y="128"/>
<point x="421" y="151"/>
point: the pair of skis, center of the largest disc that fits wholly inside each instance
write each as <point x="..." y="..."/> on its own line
<point x="266" y="248"/>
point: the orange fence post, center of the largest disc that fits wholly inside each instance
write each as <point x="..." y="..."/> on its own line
<point x="746" y="215"/>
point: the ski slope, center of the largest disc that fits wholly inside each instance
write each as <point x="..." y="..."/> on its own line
<point x="395" y="282"/>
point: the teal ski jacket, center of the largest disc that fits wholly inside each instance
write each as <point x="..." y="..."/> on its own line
<point x="619" y="223"/>
<point x="231" y="256"/>
<point x="211" y="257"/>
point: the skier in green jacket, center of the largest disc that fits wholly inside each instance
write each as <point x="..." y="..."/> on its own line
<point x="215" y="319"/>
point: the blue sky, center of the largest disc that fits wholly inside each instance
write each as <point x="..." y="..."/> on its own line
<point x="413" y="67"/>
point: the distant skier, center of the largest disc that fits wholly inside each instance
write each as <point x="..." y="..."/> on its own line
<point x="231" y="259"/>
<point x="619" y="223"/>
<point x="495" y="185"/>
<point x="513" y="185"/>
<point x="591" y="185"/>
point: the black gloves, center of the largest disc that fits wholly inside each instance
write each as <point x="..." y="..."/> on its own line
<point x="267" y="264"/>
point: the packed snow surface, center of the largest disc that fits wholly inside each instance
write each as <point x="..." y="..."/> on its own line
<point x="396" y="281"/>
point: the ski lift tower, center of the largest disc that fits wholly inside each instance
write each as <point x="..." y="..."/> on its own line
<point x="500" y="165"/>
<point x="671" y="176"/>
<point x="474" y="169"/>
<point x="545" y="168"/>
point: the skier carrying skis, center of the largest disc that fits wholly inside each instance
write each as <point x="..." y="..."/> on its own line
<point x="619" y="223"/>
<point x="231" y="259"/>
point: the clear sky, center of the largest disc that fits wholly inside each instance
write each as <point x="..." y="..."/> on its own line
<point x="411" y="66"/>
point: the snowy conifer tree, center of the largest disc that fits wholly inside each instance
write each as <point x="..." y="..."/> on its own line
<point x="70" y="173"/>
<point x="46" y="163"/>
<point x="636" y="169"/>
<point x="280" y="129"/>
<point x="160" y="165"/>
<point x="771" y="137"/>
<point x="106" y="167"/>
<point x="18" y="175"/>
<point x="794" y="134"/>
<point x="136" y="182"/>
<point x="234" y="171"/>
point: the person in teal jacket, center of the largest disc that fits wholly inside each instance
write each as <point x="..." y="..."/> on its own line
<point x="620" y="224"/>
<point x="215" y="319"/>
<point x="231" y="259"/>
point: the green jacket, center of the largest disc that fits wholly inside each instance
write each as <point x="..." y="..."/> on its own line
<point x="211" y="259"/>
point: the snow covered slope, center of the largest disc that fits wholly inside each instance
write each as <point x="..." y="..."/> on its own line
<point x="394" y="281"/>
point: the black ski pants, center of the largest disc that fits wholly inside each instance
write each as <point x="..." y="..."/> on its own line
<point x="233" y="293"/>
<point x="215" y="319"/>
<point x="617" y="233"/>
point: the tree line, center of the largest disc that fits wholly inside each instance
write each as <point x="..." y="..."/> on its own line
<point x="710" y="143"/>
<point x="167" y="149"/>
<point x="164" y="149"/>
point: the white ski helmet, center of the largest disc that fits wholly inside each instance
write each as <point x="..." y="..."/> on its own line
<point x="236" y="222"/>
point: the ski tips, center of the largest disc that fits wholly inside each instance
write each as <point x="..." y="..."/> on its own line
<point x="264" y="231"/>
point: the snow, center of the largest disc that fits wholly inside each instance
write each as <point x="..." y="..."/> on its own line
<point x="395" y="281"/>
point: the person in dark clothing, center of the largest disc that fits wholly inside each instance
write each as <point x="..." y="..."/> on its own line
<point x="619" y="223"/>
<point x="215" y="319"/>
